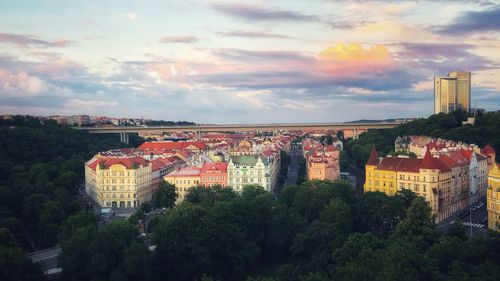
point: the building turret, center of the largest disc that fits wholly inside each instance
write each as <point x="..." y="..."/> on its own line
<point x="373" y="160"/>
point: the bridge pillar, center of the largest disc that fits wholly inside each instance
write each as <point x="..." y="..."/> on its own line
<point x="355" y="134"/>
<point x="124" y="137"/>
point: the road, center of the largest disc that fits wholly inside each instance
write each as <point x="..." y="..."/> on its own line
<point x="472" y="220"/>
<point x="293" y="167"/>
<point x="47" y="259"/>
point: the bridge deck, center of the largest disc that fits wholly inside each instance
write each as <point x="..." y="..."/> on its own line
<point x="243" y="127"/>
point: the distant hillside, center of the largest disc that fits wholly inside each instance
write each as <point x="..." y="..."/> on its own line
<point x="169" y="123"/>
<point x="381" y="121"/>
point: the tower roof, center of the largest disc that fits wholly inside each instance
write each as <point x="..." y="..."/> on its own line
<point x="432" y="163"/>
<point x="488" y="149"/>
<point x="373" y="160"/>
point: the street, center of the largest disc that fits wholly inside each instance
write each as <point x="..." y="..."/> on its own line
<point x="293" y="167"/>
<point x="47" y="259"/>
<point x="473" y="220"/>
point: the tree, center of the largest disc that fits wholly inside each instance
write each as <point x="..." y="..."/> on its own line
<point x="195" y="240"/>
<point x="113" y="252"/>
<point x="360" y="258"/>
<point x="165" y="196"/>
<point x="14" y="265"/>
<point x="418" y="224"/>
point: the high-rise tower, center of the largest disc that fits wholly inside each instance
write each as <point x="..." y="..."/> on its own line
<point x="452" y="92"/>
<point x="463" y="89"/>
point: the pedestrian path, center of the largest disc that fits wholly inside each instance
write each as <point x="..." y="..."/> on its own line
<point x="478" y="225"/>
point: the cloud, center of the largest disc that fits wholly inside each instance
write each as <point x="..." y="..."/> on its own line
<point x="355" y="52"/>
<point x="89" y="104"/>
<point x="388" y="31"/>
<point x="425" y="85"/>
<point x="253" y="97"/>
<point x="129" y="16"/>
<point x="248" y="55"/>
<point x="442" y="57"/>
<point x="473" y="22"/>
<point x="178" y="39"/>
<point x="351" y="65"/>
<point x="259" y="13"/>
<point x="353" y="59"/>
<point x="361" y="91"/>
<point x="253" y="34"/>
<point x="397" y="8"/>
<point x="20" y="84"/>
<point x="29" y="40"/>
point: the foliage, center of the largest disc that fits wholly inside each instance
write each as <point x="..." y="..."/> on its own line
<point x="14" y="265"/>
<point x="285" y="162"/>
<point x="318" y="230"/>
<point x="165" y="196"/>
<point x="301" y="169"/>
<point x="112" y="252"/>
<point x="41" y="170"/>
<point x="326" y="140"/>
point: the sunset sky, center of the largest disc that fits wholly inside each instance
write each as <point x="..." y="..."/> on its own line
<point x="243" y="61"/>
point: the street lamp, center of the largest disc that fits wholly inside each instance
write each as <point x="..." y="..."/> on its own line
<point x="470" y="221"/>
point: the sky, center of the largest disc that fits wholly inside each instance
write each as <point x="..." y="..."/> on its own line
<point x="260" y="61"/>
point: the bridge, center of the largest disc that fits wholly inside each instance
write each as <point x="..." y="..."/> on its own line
<point x="357" y="128"/>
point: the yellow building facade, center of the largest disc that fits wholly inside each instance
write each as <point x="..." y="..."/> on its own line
<point x="428" y="177"/>
<point x="118" y="182"/>
<point x="184" y="179"/>
<point x="378" y="178"/>
<point x="493" y="198"/>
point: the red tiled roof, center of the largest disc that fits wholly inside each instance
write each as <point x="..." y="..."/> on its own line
<point x="214" y="166"/>
<point x="466" y="153"/>
<point x="488" y="150"/>
<point x="388" y="163"/>
<point x="160" y="163"/>
<point x="459" y="158"/>
<point x="186" y="153"/>
<point x="373" y="159"/>
<point x="267" y="153"/>
<point x="174" y="159"/>
<point x="429" y="162"/>
<point x="409" y="165"/>
<point x="168" y="145"/>
<point x="448" y="161"/>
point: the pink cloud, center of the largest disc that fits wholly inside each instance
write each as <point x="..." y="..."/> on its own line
<point x="20" y="84"/>
<point x="30" y="40"/>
